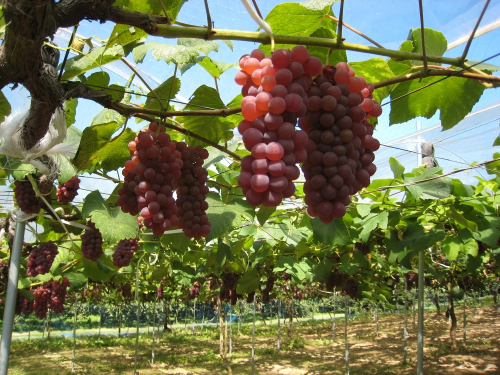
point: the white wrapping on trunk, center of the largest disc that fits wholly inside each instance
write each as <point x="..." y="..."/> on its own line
<point x="12" y="145"/>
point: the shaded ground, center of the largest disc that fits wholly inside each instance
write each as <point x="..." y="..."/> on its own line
<point x="309" y="351"/>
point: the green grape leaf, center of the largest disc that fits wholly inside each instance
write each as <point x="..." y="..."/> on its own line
<point x="375" y="70"/>
<point x="90" y="60"/>
<point x="371" y="222"/>
<point x="363" y="209"/>
<point x="97" y="148"/>
<point x="69" y="111"/>
<point x="177" y="241"/>
<point x="124" y="34"/>
<point x="113" y="224"/>
<point x="225" y="216"/>
<point x="488" y="231"/>
<point x="396" y="167"/>
<point x="264" y="213"/>
<point x="185" y="52"/>
<point x="66" y="169"/>
<point x="321" y="53"/>
<point x="301" y="19"/>
<point x="435" y="42"/>
<point x="335" y="233"/>
<point x="471" y="248"/>
<point x="97" y="80"/>
<point x="351" y="265"/>
<point x="454" y="97"/>
<point x="249" y="282"/>
<point x="77" y="280"/>
<point x="165" y="91"/>
<point x="451" y="247"/>
<point x="5" y="109"/>
<point x="214" y="68"/>
<point x="322" y="270"/>
<point x="152" y="6"/>
<point x="223" y="253"/>
<point x="214" y="128"/>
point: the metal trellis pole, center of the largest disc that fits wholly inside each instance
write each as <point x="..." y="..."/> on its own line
<point x="420" y="336"/>
<point x="10" y="300"/>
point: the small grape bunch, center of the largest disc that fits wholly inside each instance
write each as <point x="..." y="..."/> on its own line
<point x="26" y="197"/>
<point x="124" y="252"/>
<point x="126" y="290"/>
<point x="159" y="291"/>
<point x="41" y="258"/>
<point x="68" y="190"/>
<point x="195" y="290"/>
<point x="92" y="242"/>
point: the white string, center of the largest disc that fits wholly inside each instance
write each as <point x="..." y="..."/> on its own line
<point x="263" y="24"/>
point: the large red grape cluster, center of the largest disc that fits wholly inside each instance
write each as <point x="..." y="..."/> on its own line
<point x="157" y="167"/>
<point x="340" y="151"/>
<point x="191" y="192"/>
<point x="275" y="95"/>
<point x="92" y="243"/>
<point x="124" y="252"/>
<point x="51" y="295"/>
<point x="159" y="291"/>
<point x="67" y="191"/>
<point x="268" y="289"/>
<point x="228" y="292"/>
<point x="41" y="258"/>
<point x="194" y="291"/>
<point x="26" y="197"/>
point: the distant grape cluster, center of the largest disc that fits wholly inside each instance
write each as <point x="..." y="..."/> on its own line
<point x="51" y="295"/>
<point x="194" y="291"/>
<point x="41" y="258"/>
<point x="126" y="290"/>
<point x="274" y="90"/>
<point x="340" y="153"/>
<point x="67" y="191"/>
<point x="268" y="289"/>
<point x="124" y="252"/>
<point x="335" y="280"/>
<point x="92" y="243"/>
<point x="411" y="280"/>
<point x="228" y="292"/>
<point x="350" y="289"/>
<point x="157" y="167"/>
<point x="26" y="197"/>
<point x="159" y="291"/>
<point x="191" y="192"/>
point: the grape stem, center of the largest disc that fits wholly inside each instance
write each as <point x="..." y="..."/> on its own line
<point x="493" y="80"/>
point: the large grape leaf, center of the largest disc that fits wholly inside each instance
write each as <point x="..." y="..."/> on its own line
<point x="214" y="128"/>
<point x="214" y="68"/>
<point x="335" y="233"/>
<point x="165" y="91"/>
<point x="375" y="70"/>
<point x="98" y="149"/>
<point x="224" y="216"/>
<point x="123" y="35"/>
<point x="185" y="52"/>
<point x="152" y="6"/>
<point x="113" y="223"/>
<point x="249" y="282"/>
<point x="301" y="19"/>
<point x="90" y="60"/>
<point x="435" y="42"/>
<point x="454" y="97"/>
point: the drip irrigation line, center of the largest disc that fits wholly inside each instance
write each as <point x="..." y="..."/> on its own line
<point x="440" y="80"/>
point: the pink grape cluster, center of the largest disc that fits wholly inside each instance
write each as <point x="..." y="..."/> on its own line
<point x="126" y="290"/>
<point x="67" y="191"/>
<point x="92" y="243"/>
<point x="41" y="258"/>
<point x="268" y="289"/>
<point x="26" y="197"/>
<point x="191" y="192"/>
<point x="124" y="252"/>
<point x="159" y="291"/>
<point x="51" y="295"/>
<point x="341" y="147"/>
<point x="149" y="179"/>
<point x="228" y="292"/>
<point x="274" y="90"/>
<point x="194" y="291"/>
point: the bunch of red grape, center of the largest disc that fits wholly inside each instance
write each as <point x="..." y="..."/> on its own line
<point x="250" y="297"/>
<point x="340" y="157"/>
<point x="268" y="289"/>
<point x="228" y="292"/>
<point x="159" y="291"/>
<point x="275" y="95"/>
<point x="335" y="280"/>
<point x="191" y="192"/>
<point x="41" y="258"/>
<point x="23" y="305"/>
<point x="26" y="197"/>
<point x="50" y="295"/>
<point x="126" y="290"/>
<point x="411" y="280"/>
<point x="350" y="289"/>
<point x="124" y="252"/>
<point x="195" y="290"/>
<point x="92" y="243"/>
<point x="68" y="190"/>
<point x="149" y="179"/>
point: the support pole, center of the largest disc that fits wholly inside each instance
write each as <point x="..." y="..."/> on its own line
<point x="405" y="331"/>
<point x="420" y="336"/>
<point x="334" y="318"/>
<point x="230" y="331"/>
<point x="465" y="319"/>
<point x="10" y="300"/>
<point x="279" y="319"/>
<point x="253" y="334"/>
<point x="346" y="342"/>
<point x="153" y="345"/>
<point x="73" y="358"/>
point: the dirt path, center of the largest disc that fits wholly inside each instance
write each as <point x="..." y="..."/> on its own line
<point x="310" y="351"/>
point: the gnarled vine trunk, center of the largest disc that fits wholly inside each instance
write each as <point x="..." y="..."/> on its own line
<point x="450" y="312"/>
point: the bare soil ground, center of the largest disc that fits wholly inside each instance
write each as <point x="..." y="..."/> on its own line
<point x="309" y="350"/>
